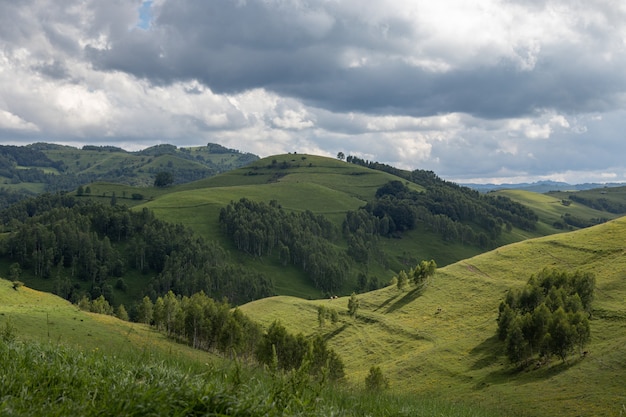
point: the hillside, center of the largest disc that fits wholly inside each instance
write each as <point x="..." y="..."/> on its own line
<point x="330" y="188"/>
<point x="58" y="360"/>
<point x="42" y="167"/>
<point x="442" y="342"/>
<point x="376" y="223"/>
<point x="565" y="211"/>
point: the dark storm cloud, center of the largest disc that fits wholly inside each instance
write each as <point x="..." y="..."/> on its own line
<point x="301" y="50"/>
<point x="468" y="89"/>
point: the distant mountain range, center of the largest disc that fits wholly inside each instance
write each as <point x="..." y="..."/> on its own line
<point x="541" y="186"/>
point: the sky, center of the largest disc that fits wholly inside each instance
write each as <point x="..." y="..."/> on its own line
<point x="498" y="91"/>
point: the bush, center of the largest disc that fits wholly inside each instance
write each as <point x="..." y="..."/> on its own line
<point x="375" y="380"/>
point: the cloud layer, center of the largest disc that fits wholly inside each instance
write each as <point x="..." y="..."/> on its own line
<point x="490" y="90"/>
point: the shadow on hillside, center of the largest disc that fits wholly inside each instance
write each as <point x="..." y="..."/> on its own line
<point x="335" y="332"/>
<point x="386" y="302"/>
<point x="408" y="297"/>
<point x="488" y="352"/>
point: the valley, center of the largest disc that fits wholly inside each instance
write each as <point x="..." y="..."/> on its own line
<point x="433" y="342"/>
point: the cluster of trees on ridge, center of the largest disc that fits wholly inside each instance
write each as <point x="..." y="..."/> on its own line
<point x="86" y="248"/>
<point x="455" y="212"/>
<point x="549" y="316"/>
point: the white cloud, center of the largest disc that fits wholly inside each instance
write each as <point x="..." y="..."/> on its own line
<point x="468" y="89"/>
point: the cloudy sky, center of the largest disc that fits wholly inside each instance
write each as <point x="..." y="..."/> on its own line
<point x="474" y="90"/>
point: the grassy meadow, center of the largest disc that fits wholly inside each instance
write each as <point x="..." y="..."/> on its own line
<point x="56" y="360"/>
<point x="441" y="341"/>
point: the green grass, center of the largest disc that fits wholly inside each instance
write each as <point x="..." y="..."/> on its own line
<point x="441" y="342"/>
<point x="549" y="207"/>
<point x="56" y="360"/>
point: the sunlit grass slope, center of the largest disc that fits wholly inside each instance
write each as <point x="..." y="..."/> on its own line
<point x="549" y="208"/>
<point x="67" y="362"/>
<point x="441" y="342"/>
<point x="41" y="316"/>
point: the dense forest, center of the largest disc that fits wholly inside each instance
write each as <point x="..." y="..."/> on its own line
<point x="87" y="247"/>
<point x="303" y="239"/>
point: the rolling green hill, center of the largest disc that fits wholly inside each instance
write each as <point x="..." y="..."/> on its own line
<point x="441" y="341"/>
<point x="555" y="208"/>
<point x="325" y="186"/>
<point x="440" y="214"/>
<point x="58" y="360"/>
<point x="44" y="167"/>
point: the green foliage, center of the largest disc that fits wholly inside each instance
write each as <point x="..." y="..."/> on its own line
<point x="289" y="352"/>
<point x="549" y="316"/>
<point x="353" y="305"/>
<point x="95" y="244"/>
<point x="375" y="380"/>
<point x="423" y="271"/>
<point x="121" y="313"/>
<point x="450" y="210"/>
<point x="303" y="239"/>
<point x="163" y="179"/>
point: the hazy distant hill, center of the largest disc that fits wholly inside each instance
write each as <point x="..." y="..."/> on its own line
<point x="44" y="167"/>
<point x="540" y="186"/>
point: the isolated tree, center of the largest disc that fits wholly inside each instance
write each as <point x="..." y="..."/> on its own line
<point x="353" y="305"/>
<point x="341" y="156"/>
<point x="15" y="271"/>
<point x="402" y="280"/>
<point x="423" y="271"/>
<point x="80" y="190"/>
<point x="163" y="179"/>
<point x="375" y="380"/>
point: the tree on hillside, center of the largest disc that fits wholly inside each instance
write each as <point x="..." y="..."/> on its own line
<point x="353" y="305"/>
<point x="163" y="179"/>
<point x="375" y="380"/>
<point x="548" y="316"/>
<point x="423" y="271"/>
<point x="341" y="156"/>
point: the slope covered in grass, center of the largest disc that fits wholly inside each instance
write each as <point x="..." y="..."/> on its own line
<point x="56" y="360"/>
<point x="442" y="342"/>
<point x="553" y="207"/>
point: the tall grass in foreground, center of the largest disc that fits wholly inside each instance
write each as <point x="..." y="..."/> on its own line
<point x="49" y="380"/>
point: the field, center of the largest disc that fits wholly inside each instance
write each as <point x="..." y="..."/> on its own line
<point x="58" y="360"/>
<point x="550" y="208"/>
<point x="441" y="342"/>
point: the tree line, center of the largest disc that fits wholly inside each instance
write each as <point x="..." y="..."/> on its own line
<point x="549" y="316"/>
<point x="87" y="248"/>
<point x="203" y="323"/>
<point x="455" y="213"/>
